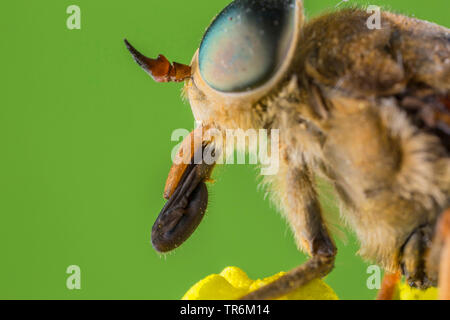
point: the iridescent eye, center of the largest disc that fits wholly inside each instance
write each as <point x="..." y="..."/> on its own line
<point x="246" y="44"/>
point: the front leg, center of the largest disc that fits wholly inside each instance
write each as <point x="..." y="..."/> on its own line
<point x="299" y="200"/>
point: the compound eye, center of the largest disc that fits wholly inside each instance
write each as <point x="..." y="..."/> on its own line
<point x="246" y="44"/>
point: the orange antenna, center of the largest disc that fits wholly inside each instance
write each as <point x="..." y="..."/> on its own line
<point x="160" y="69"/>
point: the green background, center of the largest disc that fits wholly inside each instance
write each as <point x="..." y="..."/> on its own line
<point x="85" y="151"/>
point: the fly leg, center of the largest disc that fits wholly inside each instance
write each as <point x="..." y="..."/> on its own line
<point x="390" y="282"/>
<point x="299" y="200"/>
<point x="412" y="260"/>
<point x="438" y="262"/>
<point x="444" y="270"/>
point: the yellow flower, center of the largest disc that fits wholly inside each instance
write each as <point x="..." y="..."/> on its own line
<point x="405" y="292"/>
<point x="233" y="283"/>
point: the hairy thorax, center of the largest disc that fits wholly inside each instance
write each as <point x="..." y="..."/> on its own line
<point x="390" y="177"/>
<point x="340" y="113"/>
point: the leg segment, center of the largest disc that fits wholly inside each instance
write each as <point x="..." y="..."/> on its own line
<point x="388" y="286"/>
<point x="444" y="270"/>
<point x="300" y="202"/>
<point x="413" y="257"/>
<point x="316" y="267"/>
<point x="438" y="261"/>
